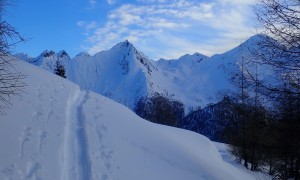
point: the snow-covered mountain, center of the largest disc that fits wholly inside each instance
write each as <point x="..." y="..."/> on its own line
<point x="47" y="59"/>
<point x="58" y="130"/>
<point x="126" y="75"/>
<point x="121" y="73"/>
<point x="163" y="91"/>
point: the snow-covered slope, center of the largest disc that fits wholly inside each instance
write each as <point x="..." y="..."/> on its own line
<point x="192" y="79"/>
<point x="120" y="73"/>
<point x="197" y="80"/>
<point x="57" y="130"/>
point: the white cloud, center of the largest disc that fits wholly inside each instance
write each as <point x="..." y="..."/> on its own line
<point x="92" y="3"/>
<point x="111" y="2"/>
<point x="80" y="23"/>
<point x="238" y="1"/>
<point x="167" y="28"/>
<point x="153" y="1"/>
<point x="87" y="26"/>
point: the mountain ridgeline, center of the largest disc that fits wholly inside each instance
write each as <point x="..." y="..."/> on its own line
<point x="184" y="92"/>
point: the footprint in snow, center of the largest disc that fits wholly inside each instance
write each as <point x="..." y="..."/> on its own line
<point x="42" y="135"/>
<point x="25" y="137"/>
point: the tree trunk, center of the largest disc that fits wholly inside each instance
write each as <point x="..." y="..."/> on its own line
<point x="297" y="169"/>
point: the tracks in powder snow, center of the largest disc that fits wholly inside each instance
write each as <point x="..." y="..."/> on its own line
<point x="75" y="160"/>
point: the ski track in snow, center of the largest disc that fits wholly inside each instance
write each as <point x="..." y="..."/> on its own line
<point x="103" y="153"/>
<point x="76" y="161"/>
<point x="31" y="171"/>
<point x="50" y="110"/>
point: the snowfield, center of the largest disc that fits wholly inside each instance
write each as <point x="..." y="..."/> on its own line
<point x="56" y="130"/>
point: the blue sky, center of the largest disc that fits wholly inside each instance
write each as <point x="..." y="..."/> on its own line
<point x="158" y="28"/>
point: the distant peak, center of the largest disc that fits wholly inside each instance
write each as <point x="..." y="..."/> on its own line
<point x="125" y="44"/>
<point x="47" y="53"/>
<point x="254" y="40"/>
<point x="84" y="54"/>
<point x="63" y="54"/>
<point x="196" y="54"/>
<point x="195" y="57"/>
<point x="22" y="56"/>
<point x="199" y="55"/>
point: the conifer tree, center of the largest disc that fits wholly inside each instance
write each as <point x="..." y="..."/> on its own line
<point x="60" y="69"/>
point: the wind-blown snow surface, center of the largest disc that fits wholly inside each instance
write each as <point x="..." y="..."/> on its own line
<point x="56" y="130"/>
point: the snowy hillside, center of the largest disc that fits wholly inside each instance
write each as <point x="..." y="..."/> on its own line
<point x="121" y="73"/>
<point x="56" y="130"/>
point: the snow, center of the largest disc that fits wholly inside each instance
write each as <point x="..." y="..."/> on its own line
<point x="57" y="130"/>
<point x="125" y="74"/>
<point x="116" y="74"/>
<point x="230" y="160"/>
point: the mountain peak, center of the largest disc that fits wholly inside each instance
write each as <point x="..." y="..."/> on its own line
<point x="22" y="56"/>
<point x="124" y="44"/>
<point x="47" y="53"/>
<point x="194" y="57"/>
<point x="63" y="54"/>
<point x="257" y="39"/>
<point x="83" y="54"/>
<point x="199" y="55"/>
